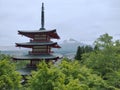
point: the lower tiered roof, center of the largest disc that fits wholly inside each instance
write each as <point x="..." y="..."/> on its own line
<point x="37" y="57"/>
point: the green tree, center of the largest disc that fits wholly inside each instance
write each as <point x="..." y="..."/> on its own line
<point x="9" y="78"/>
<point x="78" y="53"/>
<point x="46" y="78"/>
<point x="81" y="50"/>
<point x="87" y="80"/>
<point x="4" y="57"/>
<point x="88" y="49"/>
<point x="68" y="75"/>
<point x="104" y="41"/>
<point x="105" y="61"/>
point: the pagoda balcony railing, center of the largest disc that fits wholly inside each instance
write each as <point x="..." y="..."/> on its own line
<point x="38" y="52"/>
<point x="40" y="41"/>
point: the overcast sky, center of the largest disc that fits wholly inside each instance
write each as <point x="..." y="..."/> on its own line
<point x="83" y="20"/>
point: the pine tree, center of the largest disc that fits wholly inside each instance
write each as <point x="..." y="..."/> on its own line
<point x="78" y="54"/>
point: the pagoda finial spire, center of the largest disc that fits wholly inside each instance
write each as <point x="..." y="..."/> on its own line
<point x="42" y="18"/>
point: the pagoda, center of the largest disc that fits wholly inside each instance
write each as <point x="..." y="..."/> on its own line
<point x="40" y="44"/>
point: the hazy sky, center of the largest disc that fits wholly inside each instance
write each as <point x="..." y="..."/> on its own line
<point x="83" y="20"/>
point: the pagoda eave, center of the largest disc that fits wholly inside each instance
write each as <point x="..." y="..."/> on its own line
<point x="36" y="58"/>
<point x="36" y="31"/>
<point x="51" y="33"/>
<point x="30" y="45"/>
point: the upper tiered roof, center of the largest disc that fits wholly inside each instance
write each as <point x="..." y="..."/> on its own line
<point x="30" y="34"/>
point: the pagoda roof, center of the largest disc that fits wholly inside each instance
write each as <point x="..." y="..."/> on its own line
<point x="31" y="44"/>
<point x="36" y="57"/>
<point x="37" y="31"/>
<point x="51" y="33"/>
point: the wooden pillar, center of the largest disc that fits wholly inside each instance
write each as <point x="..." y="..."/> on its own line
<point x="48" y="49"/>
<point x="30" y="62"/>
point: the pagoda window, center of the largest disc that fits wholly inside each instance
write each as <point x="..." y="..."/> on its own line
<point x="36" y="47"/>
<point x="40" y="49"/>
<point x="41" y="37"/>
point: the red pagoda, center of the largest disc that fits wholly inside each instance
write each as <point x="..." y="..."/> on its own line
<point x="40" y="44"/>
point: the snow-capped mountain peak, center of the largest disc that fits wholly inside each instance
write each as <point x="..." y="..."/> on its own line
<point x="70" y="41"/>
